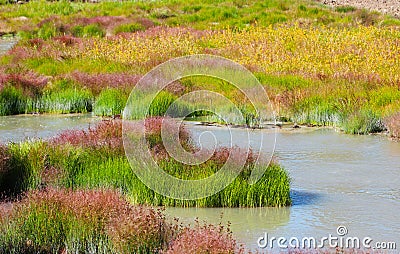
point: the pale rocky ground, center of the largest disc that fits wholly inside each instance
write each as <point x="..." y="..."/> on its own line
<point x="391" y="7"/>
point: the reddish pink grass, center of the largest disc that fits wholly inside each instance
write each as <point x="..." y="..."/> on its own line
<point x="67" y="40"/>
<point x="50" y="175"/>
<point x="126" y="225"/>
<point x="106" y="134"/>
<point x="153" y="126"/>
<point x="104" y="21"/>
<point x="4" y="156"/>
<point x="393" y="125"/>
<point x="101" y="81"/>
<point x="20" y="52"/>
<point x="54" y="49"/>
<point x="5" y="211"/>
<point x="36" y="43"/>
<point x="145" y="22"/>
<point x="222" y="154"/>
<point x="204" y="239"/>
<point x="3" y="78"/>
<point x="30" y="82"/>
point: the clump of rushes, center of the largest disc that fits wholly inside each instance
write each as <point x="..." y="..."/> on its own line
<point x="70" y="100"/>
<point x="65" y="221"/>
<point x="153" y="127"/>
<point x="110" y="102"/>
<point x="12" y="101"/>
<point x="128" y="28"/>
<point x="363" y="122"/>
<point x="21" y="165"/>
<point x="393" y="125"/>
<point x="92" y="30"/>
<point x="164" y="102"/>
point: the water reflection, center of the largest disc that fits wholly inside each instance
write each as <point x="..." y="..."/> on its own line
<point x="300" y="197"/>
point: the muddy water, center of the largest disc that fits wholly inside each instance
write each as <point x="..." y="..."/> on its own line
<point x="22" y="127"/>
<point x="6" y="44"/>
<point x="337" y="179"/>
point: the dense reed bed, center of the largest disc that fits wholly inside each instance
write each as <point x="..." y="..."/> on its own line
<point x="99" y="221"/>
<point x="96" y="159"/>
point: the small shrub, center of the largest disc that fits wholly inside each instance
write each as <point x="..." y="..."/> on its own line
<point x="162" y="13"/>
<point x="302" y="8"/>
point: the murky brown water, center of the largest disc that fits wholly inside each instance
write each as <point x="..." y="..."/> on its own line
<point x="337" y="179"/>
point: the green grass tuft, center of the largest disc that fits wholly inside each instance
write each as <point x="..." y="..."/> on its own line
<point x="110" y="102"/>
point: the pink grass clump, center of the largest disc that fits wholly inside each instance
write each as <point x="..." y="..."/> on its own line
<point x="101" y="81"/>
<point x="153" y="127"/>
<point x="129" y="227"/>
<point x="106" y="134"/>
<point x="204" y="239"/>
<point x="393" y="125"/>
<point x="104" y="21"/>
<point x="30" y="82"/>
